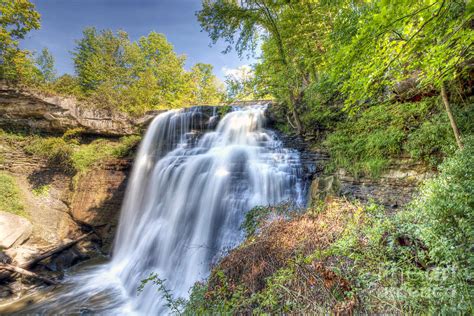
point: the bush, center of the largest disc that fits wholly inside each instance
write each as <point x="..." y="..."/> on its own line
<point x="68" y="153"/>
<point x="42" y="190"/>
<point x="434" y="139"/>
<point x="366" y="144"/>
<point x="324" y="106"/>
<point x="10" y="197"/>
<point x="126" y="146"/>
<point x="99" y="150"/>
<point x="88" y="155"/>
<point x="442" y="219"/>
<point x="349" y="258"/>
<point x="55" y="149"/>
<point x="420" y="260"/>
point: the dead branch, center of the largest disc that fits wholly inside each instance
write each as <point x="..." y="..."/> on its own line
<point x="31" y="263"/>
<point x="27" y="273"/>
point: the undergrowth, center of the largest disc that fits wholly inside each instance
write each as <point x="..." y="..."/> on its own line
<point x="344" y="257"/>
<point x="366" y="144"/>
<point x="10" y="196"/>
<point x="69" y="152"/>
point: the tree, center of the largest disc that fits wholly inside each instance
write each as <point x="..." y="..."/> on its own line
<point x="242" y="25"/>
<point x="17" y="19"/>
<point x="138" y="76"/>
<point x="240" y="84"/>
<point x="99" y="58"/>
<point x="45" y="63"/>
<point x="402" y="40"/>
<point x="207" y="88"/>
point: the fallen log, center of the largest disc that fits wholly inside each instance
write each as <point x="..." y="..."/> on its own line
<point x="27" y="273"/>
<point x="31" y="263"/>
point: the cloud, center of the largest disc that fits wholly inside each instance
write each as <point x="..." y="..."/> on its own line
<point x="239" y="73"/>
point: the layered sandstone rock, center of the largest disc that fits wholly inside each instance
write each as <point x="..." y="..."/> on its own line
<point x="97" y="198"/>
<point x="55" y="114"/>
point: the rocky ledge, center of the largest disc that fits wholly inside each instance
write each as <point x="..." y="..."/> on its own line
<point x="393" y="189"/>
<point x="37" y="112"/>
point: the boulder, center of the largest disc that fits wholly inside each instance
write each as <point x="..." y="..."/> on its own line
<point x="321" y="188"/>
<point x="14" y="230"/>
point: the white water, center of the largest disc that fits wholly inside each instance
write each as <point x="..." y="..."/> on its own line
<point x="185" y="201"/>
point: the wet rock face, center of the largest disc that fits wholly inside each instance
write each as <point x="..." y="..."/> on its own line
<point x="97" y="198"/>
<point x="393" y="189"/>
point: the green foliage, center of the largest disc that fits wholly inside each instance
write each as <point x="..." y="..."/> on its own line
<point x="55" y="149"/>
<point x="366" y="143"/>
<point x="126" y="146"/>
<point x="42" y="190"/>
<point x="135" y="77"/>
<point x="234" y="22"/>
<point x="418" y="261"/>
<point x="241" y="85"/>
<point x="45" y="63"/>
<point x="442" y="219"/>
<point x="11" y="138"/>
<point x="88" y="155"/>
<point x="85" y="156"/>
<point x="175" y="305"/>
<point x="68" y="152"/>
<point x="226" y="298"/>
<point x="434" y="139"/>
<point x="10" y="196"/>
<point x="223" y="110"/>
<point x="17" y="18"/>
<point x="207" y="89"/>
<point x="67" y="85"/>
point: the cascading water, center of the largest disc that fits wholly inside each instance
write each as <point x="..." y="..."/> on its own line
<point x="184" y="204"/>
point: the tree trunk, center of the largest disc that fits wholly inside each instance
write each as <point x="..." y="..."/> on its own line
<point x="299" y="127"/>
<point x="294" y="104"/>
<point x="54" y="251"/>
<point x="27" y="273"/>
<point x="457" y="135"/>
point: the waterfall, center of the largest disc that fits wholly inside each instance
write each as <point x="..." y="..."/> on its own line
<point x="187" y="196"/>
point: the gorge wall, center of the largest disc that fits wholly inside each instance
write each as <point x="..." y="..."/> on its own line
<point x="91" y="201"/>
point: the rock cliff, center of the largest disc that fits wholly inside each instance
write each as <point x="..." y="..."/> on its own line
<point x="393" y="189"/>
<point x="33" y="111"/>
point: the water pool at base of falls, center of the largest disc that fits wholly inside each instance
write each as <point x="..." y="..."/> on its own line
<point x="185" y="201"/>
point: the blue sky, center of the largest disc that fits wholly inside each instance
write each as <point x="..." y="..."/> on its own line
<point x="62" y="22"/>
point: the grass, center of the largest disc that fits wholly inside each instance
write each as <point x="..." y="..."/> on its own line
<point x="42" y="190"/>
<point x="86" y="156"/>
<point x="10" y="196"/>
<point x="68" y="153"/>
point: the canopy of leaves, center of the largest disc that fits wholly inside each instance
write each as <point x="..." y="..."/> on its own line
<point x="139" y="76"/>
<point x="45" y="64"/>
<point x="17" y="18"/>
<point x="326" y="62"/>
